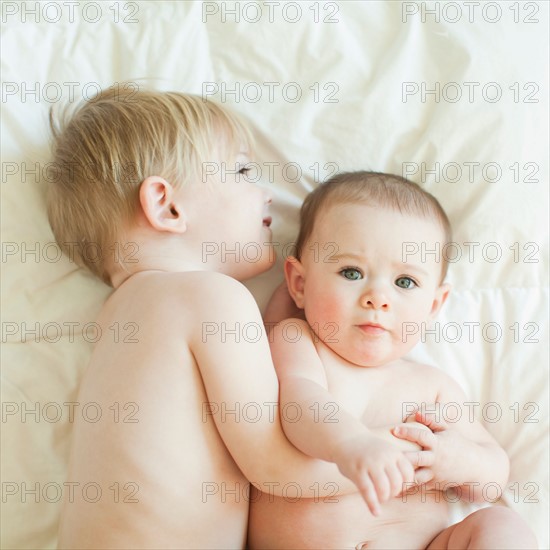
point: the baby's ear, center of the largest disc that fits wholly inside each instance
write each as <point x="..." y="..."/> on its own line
<point x="441" y="295"/>
<point x="161" y="206"/>
<point x="294" y="274"/>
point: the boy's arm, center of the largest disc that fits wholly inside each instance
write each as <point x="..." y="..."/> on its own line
<point x="281" y="306"/>
<point x="232" y="352"/>
<point x="460" y="451"/>
<point x="322" y="428"/>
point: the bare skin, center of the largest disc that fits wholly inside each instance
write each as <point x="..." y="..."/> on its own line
<point x="406" y="521"/>
<point x="153" y="451"/>
<point x="162" y="457"/>
<point x="344" y="369"/>
<point x="167" y="451"/>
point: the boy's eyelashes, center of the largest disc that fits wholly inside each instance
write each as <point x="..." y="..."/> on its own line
<point x="355" y="274"/>
<point x="244" y="171"/>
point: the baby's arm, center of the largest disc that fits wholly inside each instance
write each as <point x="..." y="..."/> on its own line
<point x="460" y="453"/>
<point x="322" y="428"/>
<point x="281" y="306"/>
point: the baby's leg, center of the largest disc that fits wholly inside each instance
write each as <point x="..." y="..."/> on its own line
<point x="487" y="529"/>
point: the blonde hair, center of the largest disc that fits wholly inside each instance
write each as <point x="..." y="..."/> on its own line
<point x="375" y="189"/>
<point x="103" y="152"/>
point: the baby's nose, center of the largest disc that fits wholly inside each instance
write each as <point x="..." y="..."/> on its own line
<point x="375" y="299"/>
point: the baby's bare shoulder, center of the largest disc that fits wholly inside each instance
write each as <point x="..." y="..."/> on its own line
<point x="406" y="366"/>
<point x="436" y="377"/>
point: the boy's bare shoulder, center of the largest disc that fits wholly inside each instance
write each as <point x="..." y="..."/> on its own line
<point x="194" y="287"/>
<point x="179" y="301"/>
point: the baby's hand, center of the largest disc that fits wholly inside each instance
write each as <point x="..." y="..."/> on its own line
<point x="378" y="469"/>
<point x="406" y="444"/>
<point x="440" y="447"/>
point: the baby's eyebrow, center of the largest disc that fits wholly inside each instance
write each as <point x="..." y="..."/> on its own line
<point x="350" y="255"/>
<point x="412" y="267"/>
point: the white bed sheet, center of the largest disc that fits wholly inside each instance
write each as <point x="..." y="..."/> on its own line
<point x="352" y="114"/>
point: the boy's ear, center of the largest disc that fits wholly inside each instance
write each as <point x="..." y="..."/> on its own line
<point x="441" y="295"/>
<point x="294" y="275"/>
<point x="160" y="205"/>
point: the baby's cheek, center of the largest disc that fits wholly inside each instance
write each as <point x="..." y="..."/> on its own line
<point x="417" y="312"/>
<point x="408" y="335"/>
<point x="331" y="312"/>
<point x="322" y="316"/>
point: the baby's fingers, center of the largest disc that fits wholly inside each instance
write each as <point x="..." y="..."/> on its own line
<point x="368" y="492"/>
<point x="424" y="438"/>
<point x="381" y="484"/>
<point x="431" y="420"/>
<point x="399" y="476"/>
<point x="423" y="475"/>
<point x="420" y="459"/>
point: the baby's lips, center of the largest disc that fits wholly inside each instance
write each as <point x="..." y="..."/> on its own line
<point x="372" y="328"/>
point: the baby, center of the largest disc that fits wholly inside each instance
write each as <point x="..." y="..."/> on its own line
<point x="149" y="194"/>
<point x="343" y="370"/>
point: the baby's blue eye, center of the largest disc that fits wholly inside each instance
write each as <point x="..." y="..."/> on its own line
<point x="405" y="282"/>
<point x="351" y="274"/>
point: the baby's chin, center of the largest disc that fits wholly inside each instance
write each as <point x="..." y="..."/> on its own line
<point x="371" y="357"/>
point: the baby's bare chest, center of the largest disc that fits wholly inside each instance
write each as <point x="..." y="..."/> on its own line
<point x="382" y="395"/>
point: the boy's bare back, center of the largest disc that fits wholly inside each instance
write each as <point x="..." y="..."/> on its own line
<point x="152" y="377"/>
